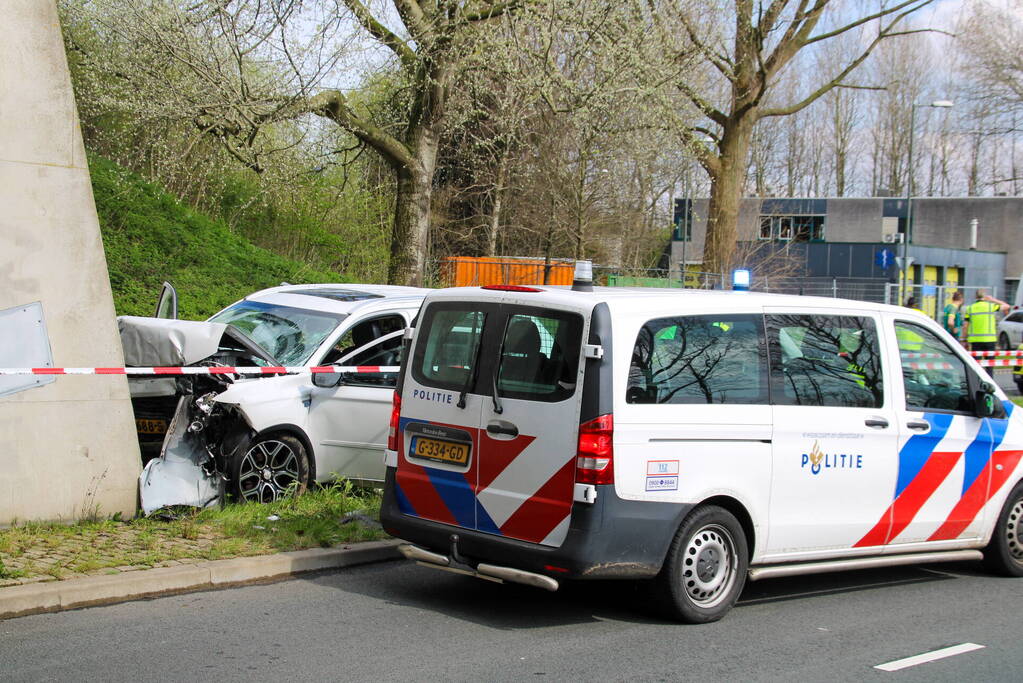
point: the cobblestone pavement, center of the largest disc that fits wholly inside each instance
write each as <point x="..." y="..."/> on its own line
<point x="110" y="548"/>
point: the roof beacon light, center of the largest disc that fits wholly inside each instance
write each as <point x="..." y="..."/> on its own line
<point x="740" y="280"/>
<point x="582" y="281"/>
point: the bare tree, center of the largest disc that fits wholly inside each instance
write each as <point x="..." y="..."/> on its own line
<point x="237" y="70"/>
<point x="748" y="53"/>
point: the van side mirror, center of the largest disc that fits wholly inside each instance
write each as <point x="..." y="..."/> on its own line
<point x="985" y="403"/>
<point x="327" y="380"/>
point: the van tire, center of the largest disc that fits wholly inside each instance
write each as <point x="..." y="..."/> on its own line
<point x="1004" y="554"/>
<point x="705" y="569"/>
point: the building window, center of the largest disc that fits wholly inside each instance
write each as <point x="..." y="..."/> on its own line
<point x="792" y="228"/>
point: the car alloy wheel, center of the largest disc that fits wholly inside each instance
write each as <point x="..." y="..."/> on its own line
<point x="271" y="469"/>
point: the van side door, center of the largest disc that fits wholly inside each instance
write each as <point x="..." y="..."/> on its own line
<point x="949" y="466"/>
<point x="835" y="430"/>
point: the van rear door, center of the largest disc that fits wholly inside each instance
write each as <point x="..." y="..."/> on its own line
<point x="530" y="426"/>
<point x="490" y="419"/>
<point x="438" y="434"/>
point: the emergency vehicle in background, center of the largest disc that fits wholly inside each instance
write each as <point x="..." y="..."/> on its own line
<point x="696" y="439"/>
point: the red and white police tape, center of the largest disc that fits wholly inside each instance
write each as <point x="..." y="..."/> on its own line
<point x="205" y="370"/>
<point x="990" y="359"/>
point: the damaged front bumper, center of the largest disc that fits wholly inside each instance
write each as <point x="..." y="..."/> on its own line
<point x="185" y="474"/>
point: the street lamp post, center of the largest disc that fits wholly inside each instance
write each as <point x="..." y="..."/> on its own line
<point x="904" y="266"/>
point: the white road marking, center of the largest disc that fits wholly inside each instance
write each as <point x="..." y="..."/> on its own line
<point x="929" y="657"/>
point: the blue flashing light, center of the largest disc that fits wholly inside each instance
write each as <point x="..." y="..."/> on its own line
<point x="741" y="280"/>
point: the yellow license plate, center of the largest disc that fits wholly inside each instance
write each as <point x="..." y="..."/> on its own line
<point x="145" y="426"/>
<point x="441" y="451"/>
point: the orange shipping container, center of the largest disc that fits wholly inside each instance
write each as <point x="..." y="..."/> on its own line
<point x="476" y="271"/>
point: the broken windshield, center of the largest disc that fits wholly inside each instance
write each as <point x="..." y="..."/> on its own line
<point x="290" y="334"/>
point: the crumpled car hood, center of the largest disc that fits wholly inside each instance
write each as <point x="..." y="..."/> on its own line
<point x="160" y="342"/>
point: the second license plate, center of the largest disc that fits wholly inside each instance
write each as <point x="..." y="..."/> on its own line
<point x="441" y="451"/>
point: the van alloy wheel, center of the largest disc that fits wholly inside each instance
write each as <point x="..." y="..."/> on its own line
<point x="271" y="469"/>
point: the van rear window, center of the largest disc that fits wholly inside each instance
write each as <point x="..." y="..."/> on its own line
<point x="699" y="359"/>
<point x="540" y="356"/>
<point x="446" y="359"/>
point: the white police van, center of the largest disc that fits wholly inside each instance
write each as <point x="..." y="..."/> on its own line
<point x="698" y="439"/>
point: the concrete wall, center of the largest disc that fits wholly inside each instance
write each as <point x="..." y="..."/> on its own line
<point x="67" y="448"/>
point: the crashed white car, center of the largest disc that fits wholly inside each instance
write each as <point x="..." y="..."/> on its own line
<point x="261" y="437"/>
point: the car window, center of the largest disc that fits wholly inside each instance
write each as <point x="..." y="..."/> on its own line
<point x="1015" y="317"/>
<point x="540" y="356"/>
<point x="825" y="360"/>
<point x="699" y="359"/>
<point x="935" y="377"/>
<point x="363" y="333"/>
<point x="291" y="335"/>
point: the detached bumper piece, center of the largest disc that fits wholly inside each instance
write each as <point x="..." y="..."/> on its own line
<point x="488" y="572"/>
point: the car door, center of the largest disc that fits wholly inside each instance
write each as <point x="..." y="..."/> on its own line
<point x="348" y="414"/>
<point x="948" y="460"/>
<point x="835" y="429"/>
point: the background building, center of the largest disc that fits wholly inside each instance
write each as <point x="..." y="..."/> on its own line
<point x="858" y="239"/>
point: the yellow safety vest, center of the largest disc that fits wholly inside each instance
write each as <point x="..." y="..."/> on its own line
<point x="983" y="325"/>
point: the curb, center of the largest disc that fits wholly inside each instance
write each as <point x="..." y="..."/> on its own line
<point x="55" y="596"/>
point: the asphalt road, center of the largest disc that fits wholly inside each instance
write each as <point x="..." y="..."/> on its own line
<point x="398" y="621"/>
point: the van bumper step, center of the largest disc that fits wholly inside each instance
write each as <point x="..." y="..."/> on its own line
<point x="796" y="569"/>
<point x="488" y="572"/>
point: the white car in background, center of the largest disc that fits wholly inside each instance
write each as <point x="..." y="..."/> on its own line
<point x="264" y="436"/>
<point x="1010" y="330"/>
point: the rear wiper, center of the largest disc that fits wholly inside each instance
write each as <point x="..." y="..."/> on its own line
<point x="471" y="378"/>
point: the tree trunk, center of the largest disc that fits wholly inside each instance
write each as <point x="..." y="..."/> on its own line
<point x="412" y="211"/>
<point x="495" y="210"/>
<point x="726" y="195"/>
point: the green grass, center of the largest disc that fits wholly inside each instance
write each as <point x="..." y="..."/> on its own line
<point x="310" y="521"/>
<point x="149" y="236"/>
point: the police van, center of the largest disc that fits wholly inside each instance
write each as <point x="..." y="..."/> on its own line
<point x="698" y="439"/>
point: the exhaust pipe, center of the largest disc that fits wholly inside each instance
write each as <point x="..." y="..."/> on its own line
<point x="488" y="572"/>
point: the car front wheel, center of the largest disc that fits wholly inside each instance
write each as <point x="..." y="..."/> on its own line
<point x="273" y="467"/>
<point x="1003" y="342"/>
<point x="1004" y="554"/>
<point x="705" y="570"/>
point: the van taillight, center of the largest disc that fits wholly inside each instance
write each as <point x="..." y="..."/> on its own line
<point x="392" y="434"/>
<point x="594" y="462"/>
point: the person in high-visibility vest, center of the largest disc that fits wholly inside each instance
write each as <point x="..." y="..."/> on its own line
<point x="909" y="340"/>
<point x="980" y="323"/>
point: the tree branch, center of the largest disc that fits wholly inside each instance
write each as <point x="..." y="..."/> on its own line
<point x="382" y="33"/>
<point x="863" y="20"/>
<point x="332" y="104"/>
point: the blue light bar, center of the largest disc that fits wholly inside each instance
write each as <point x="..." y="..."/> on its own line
<point x="741" y="280"/>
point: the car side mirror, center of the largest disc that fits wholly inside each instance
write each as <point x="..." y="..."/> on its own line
<point x="327" y="380"/>
<point x="985" y="403"/>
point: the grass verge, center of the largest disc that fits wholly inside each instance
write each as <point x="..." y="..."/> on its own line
<point x="321" y="518"/>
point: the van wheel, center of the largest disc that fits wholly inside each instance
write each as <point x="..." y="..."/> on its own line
<point x="1004" y="554"/>
<point x="1003" y="342"/>
<point x="273" y="467"/>
<point x="706" y="567"/>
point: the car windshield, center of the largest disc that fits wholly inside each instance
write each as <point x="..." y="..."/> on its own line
<point x="290" y="335"/>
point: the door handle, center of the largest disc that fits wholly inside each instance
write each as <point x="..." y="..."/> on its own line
<point x="919" y="425"/>
<point x="876" y="422"/>
<point x="503" y="428"/>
